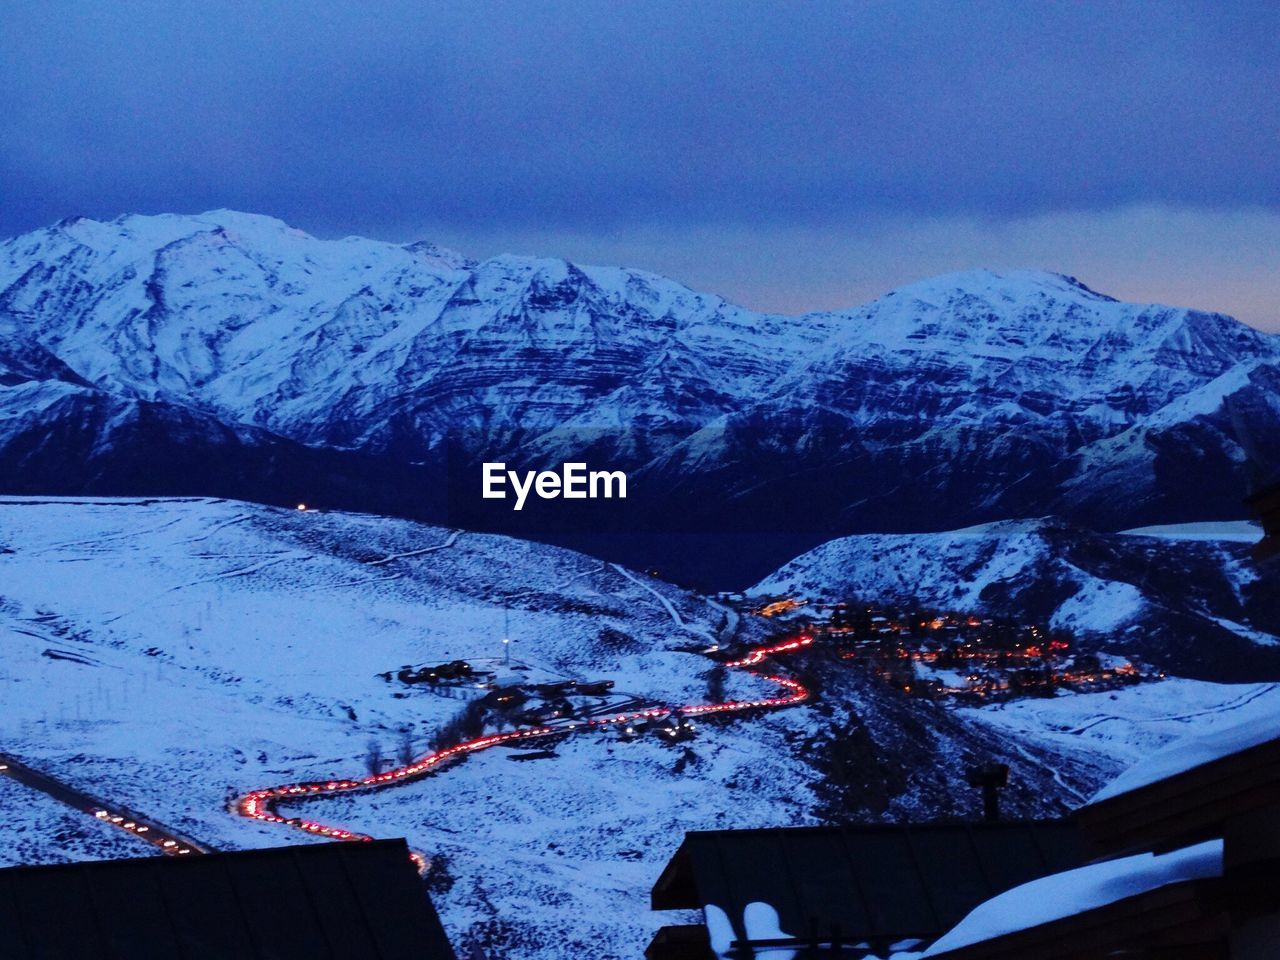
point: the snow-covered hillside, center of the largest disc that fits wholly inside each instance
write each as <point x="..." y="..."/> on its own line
<point x="1127" y="726"/>
<point x="169" y="655"/>
<point x="1185" y="597"/>
<point x="39" y="829"/>
<point x="965" y="398"/>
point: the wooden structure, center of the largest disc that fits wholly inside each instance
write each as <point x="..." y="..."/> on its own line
<point x="851" y="891"/>
<point x="1232" y="799"/>
<point x="362" y="900"/>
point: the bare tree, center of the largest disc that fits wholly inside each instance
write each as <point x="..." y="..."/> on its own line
<point x="405" y="751"/>
<point x="373" y="756"/>
<point x="715" y="684"/>
<point x="466" y="724"/>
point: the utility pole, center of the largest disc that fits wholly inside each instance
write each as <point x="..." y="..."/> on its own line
<point x="506" y="636"/>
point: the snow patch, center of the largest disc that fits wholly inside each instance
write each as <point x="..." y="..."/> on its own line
<point x="1101" y="605"/>
<point x="1259" y="724"/>
<point x="1234" y="531"/>
<point x="1077" y="891"/>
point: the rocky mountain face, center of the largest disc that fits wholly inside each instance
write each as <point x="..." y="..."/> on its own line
<point x="962" y="399"/>
<point x="1186" y="598"/>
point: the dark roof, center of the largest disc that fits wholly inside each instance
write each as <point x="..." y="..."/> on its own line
<point x="878" y="883"/>
<point x="1186" y="806"/>
<point x="361" y="900"/>
<point x="1179" y="920"/>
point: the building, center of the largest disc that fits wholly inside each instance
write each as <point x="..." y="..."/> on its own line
<point x="1187" y="847"/>
<point x="1177" y="859"/>
<point x="358" y="900"/>
<point x="845" y="891"/>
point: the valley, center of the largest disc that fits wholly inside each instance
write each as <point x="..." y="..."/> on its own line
<point x="178" y="657"/>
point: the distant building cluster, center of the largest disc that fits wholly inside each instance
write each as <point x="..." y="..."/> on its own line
<point x="931" y="653"/>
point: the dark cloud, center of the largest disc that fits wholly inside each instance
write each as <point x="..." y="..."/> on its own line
<point x="599" y="118"/>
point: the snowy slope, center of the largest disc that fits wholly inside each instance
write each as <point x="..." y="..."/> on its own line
<point x="1184" y="598"/>
<point x="961" y="399"/>
<point x="1254" y="724"/>
<point x="170" y="655"/>
<point x="39" y="829"/>
<point x="1127" y="726"/>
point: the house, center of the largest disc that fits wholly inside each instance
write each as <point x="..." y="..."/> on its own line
<point x="361" y="900"/>
<point x="1187" y="864"/>
<point x="845" y="891"/>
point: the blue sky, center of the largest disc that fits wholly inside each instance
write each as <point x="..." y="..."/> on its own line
<point x="790" y="155"/>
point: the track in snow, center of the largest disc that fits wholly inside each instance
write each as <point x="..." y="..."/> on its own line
<point x="1236" y="704"/>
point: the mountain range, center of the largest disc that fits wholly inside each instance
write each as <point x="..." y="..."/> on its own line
<point x="228" y="354"/>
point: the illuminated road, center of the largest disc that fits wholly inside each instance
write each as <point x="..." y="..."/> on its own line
<point x="261" y="804"/>
<point x="143" y="828"/>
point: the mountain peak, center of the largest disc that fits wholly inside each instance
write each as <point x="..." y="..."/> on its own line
<point x="912" y="411"/>
<point x="434" y="252"/>
<point x="1035" y="314"/>
<point x="1006" y="286"/>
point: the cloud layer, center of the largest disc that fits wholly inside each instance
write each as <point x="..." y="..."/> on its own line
<point x="717" y="136"/>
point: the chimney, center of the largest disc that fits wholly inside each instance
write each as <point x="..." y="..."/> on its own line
<point x="992" y="778"/>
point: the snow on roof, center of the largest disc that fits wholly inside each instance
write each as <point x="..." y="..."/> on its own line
<point x="1260" y="725"/>
<point x="1096" y="885"/>
<point x="760" y="922"/>
<point x="1237" y="531"/>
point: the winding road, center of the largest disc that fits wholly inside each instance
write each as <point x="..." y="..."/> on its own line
<point x="263" y="804"/>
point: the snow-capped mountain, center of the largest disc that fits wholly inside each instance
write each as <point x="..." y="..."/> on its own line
<point x="375" y="346"/>
<point x="966" y="398"/>
<point x="1186" y="598"/>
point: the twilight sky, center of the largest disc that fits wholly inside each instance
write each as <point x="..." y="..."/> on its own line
<point x="788" y="155"/>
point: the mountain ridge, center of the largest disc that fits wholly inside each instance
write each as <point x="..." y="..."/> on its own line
<point x="957" y="399"/>
<point x="1185" y="598"/>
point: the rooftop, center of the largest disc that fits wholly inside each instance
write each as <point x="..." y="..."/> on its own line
<point x="879" y="884"/>
<point x="361" y="900"/>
